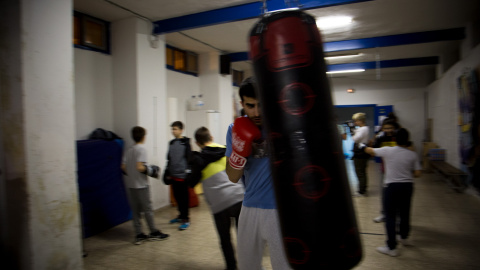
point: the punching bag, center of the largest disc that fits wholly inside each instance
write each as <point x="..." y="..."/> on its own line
<point x="314" y="202"/>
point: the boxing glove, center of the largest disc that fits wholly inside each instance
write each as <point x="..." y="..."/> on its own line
<point x="244" y="132"/>
<point x="151" y="170"/>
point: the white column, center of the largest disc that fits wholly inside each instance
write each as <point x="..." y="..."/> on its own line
<point x="216" y="90"/>
<point x="139" y="92"/>
<point x="40" y="211"/>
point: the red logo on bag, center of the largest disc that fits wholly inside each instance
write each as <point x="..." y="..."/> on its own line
<point x="312" y="182"/>
<point x="287" y="42"/>
<point x="297" y="98"/>
<point x="298" y="251"/>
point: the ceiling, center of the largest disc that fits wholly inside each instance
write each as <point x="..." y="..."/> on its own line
<point x="396" y="19"/>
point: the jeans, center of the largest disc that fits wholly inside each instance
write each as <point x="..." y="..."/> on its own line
<point x="361" y="171"/>
<point x="397" y="201"/>
<point x="180" y="191"/>
<point x="223" y="222"/>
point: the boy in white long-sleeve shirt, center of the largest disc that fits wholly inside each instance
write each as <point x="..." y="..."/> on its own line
<point x="401" y="166"/>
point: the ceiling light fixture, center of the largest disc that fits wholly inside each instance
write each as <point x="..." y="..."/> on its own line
<point x="334" y="57"/>
<point x="333" y="22"/>
<point x="345" y="71"/>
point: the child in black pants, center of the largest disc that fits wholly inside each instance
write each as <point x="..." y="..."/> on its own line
<point x="177" y="170"/>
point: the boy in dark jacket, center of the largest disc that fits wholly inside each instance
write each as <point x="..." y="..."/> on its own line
<point x="176" y="172"/>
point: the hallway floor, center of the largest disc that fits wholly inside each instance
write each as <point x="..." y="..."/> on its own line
<point x="445" y="233"/>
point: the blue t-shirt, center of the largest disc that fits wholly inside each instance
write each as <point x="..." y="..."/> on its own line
<point x="257" y="178"/>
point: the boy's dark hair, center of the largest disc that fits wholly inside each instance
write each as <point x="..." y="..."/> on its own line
<point x="392" y="116"/>
<point x="402" y="137"/>
<point x="247" y="88"/>
<point x="392" y="122"/>
<point x="138" y="133"/>
<point x="202" y="135"/>
<point x="177" y="124"/>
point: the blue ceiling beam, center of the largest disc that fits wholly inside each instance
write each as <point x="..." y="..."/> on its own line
<point x="395" y="40"/>
<point x="236" y="13"/>
<point x="376" y="42"/>
<point x="407" y="62"/>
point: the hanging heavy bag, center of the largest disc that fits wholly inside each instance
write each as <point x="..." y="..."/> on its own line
<point x="314" y="202"/>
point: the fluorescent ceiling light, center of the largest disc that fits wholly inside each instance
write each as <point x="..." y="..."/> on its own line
<point x="345" y="71"/>
<point x="342" y="56"/>
<point x="333" y="22"/>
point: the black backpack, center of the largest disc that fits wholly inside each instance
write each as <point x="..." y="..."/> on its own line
<point x="102" y="134"/>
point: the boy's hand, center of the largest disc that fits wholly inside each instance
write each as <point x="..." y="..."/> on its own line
<point x="151" y="170"/>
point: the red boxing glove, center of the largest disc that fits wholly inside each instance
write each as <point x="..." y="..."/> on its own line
<point x="244" y="132"/>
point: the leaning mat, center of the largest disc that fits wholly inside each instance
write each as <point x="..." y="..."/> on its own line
<point x="102" y="192"/>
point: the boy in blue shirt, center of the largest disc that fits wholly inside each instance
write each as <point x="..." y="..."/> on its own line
<point x="247" y="159"/>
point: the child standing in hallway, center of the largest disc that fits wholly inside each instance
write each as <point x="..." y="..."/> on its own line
<point x="135" y="170"/>
<point x="179" y="151"/>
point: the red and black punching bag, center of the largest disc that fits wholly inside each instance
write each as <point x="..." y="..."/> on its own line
<point x="314" y="202"/>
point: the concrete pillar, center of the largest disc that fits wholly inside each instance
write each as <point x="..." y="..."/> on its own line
<point x="216" y="90"/>
<point x="39" y="209"/>
<point x="139" y="92"/>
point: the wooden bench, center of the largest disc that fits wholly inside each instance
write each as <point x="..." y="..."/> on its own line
<point x="456" y="178"/>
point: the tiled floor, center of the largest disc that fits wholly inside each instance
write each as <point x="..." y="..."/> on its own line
<point x="445" y="233"/>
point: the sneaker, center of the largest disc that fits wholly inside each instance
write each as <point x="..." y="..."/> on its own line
<point x="184" y="226"/>
<point x="358" y="194"/>
<point x="405" y="242"/>
<point x="140" y="238"/>
<point x="158" y="235"/>
<point x="175" y="220"/>
<point x="379" y="219"/>
<point x="388" y="251"/>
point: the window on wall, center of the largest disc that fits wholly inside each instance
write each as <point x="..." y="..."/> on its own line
<point x="90" y="33"/>
<point x="237" y="77"/>
<point x="181" y="60"/>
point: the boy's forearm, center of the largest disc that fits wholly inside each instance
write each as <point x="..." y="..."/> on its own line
<point x="233" y="174"/>
<point x="140" y="167"/>
<point x="369" y="150"/>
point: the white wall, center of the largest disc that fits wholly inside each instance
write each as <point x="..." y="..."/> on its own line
<point x="124" y="77"/>
<point x="181" y="86"/>
<point x="443" y="106"/>
<point x="93" y="92"/>
<point x="215" y="89"/>
<point x="404" y="91"/>
<point x="152" y="104"/>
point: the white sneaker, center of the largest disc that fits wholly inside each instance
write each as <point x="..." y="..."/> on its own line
<point x="379" y="219"/>
<point x="388" y="251"/>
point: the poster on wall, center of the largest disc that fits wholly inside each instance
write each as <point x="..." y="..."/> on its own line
<point x="469" y="123"/>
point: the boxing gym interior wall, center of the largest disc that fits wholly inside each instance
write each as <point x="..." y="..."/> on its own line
<point x="93" y="92"/>
<point x="443" y="105"/>
<point x="403" y="91"/>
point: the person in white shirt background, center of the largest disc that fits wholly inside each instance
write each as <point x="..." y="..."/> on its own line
<point x="360" y="158"/>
